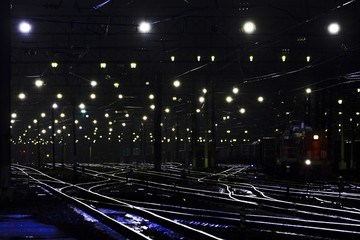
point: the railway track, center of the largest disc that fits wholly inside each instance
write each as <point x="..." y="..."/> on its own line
<point x="199" y="208"/>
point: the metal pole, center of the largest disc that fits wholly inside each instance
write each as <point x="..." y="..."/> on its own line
<point x="53" y="136"/>
<point x="38" y="144"/>
<point x="157" y="123"/>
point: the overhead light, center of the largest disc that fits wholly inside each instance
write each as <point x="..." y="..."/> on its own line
<point x="103" y="65"/>
<point x="133" y="65"/>
<point x="198" y="58"/>
<point x="54" y="64"/>
<point x="81" y="106"/>
<point x="144" y="27"/>
<point x="333" y="28"/>
<point x="235" y="90"/>
<point x="212" y="58"/>
<point x="307" y="58"/>
<point x="251" y="58"/>
<point x="22" y="96"/>
<point x="172" y="58"/>
<point x="93" y="83"/>
<point x="249" y="27"/>
<point x="229" y="99"/>
<point x="39" y="83"/>
<point x="176" y="83"/>
<point x="283" y="58"/>
<point x="25" y="27"/>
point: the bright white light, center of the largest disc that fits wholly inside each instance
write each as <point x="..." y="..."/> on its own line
<point x="307" y="162"/>
<point x="316" y="137"/>
<point x="24" y="27"/>
<point x="167" y="110"/>
<point x="54" y="64"/>
<point x="144" y="118"/>
<point x="283" y="58"/>
<point x="251" y="58"/>
<point x="22" y="96"/>
<point x="308" y="58"/>
<point x="120" y="96"/>
<point x="144" y="27"/>
<point x="201" y="99"/>
<point x="102" y="65"/>
<point x="59" y="95"/>
<point x="204" y="90"/>
<point x="235" y="90"/>
<point x="308" y="90"/>
<point x="82" y="106"/>
<point x="212" y="58"/>
<point x="93" y="83"/>
<point x="340" y="101"/>
<point x="39" y="83"/>
<point x="151" y="96"/>
<point x="54" y="106"/>
<point x="93" y="96"/>
<point x="249" y="27"/>
<point x="334" y="28"/>
<point x="229" y="99"/>
<point x="13" y="115"/>
<point x="177" y="83"/>
<point x="172" y="58"/>
<point x="260" y="99"/>
<point x="242" y="110"/>
<point x="133" y="65"/>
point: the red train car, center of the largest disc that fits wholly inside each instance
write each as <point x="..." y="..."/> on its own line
<point x="303" y="152"/>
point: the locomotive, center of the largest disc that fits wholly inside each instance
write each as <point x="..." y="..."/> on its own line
<point x="299" y="151"/>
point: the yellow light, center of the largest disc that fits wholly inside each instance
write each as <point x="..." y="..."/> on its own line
<point x="283" y="58"/>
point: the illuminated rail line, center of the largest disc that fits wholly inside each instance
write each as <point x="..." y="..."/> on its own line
<point x="256" y="210"/>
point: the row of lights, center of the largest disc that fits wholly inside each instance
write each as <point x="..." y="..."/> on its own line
<point x="133" y="65"/>
<point x="145" y="27"/>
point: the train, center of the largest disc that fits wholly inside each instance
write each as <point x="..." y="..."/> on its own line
<point x="299" y="151"/>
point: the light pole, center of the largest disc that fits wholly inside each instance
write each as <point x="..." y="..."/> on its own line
<point x="54" y="106"/>
<point x="38" y="141"/>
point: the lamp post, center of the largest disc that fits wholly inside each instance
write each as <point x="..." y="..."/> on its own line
<point x="38" y="141"/>
<point x="54" y="106"/>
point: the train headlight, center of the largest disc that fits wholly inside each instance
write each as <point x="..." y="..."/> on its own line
<point x="307" y="162"/>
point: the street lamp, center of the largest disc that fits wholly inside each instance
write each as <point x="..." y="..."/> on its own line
<point x="54" y="106"/>
<point x="38" y="141"/>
